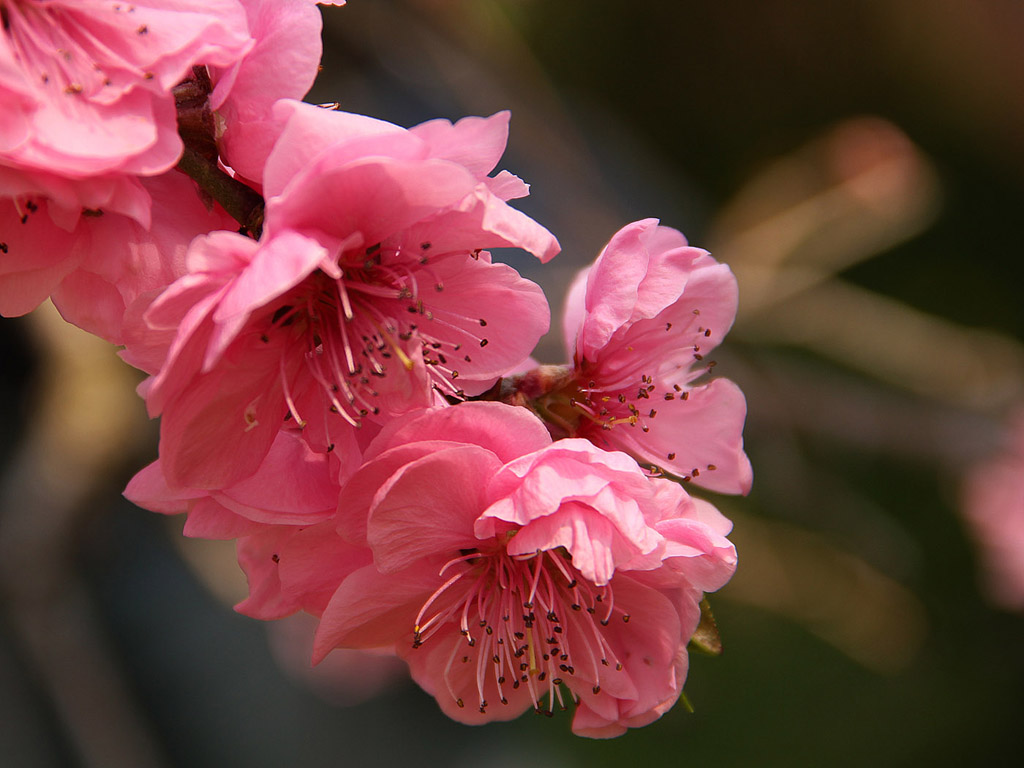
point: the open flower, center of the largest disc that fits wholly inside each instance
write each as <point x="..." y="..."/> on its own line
<point x="511" y="572"/>
<point x="368" y="295"/>
<point x="87" y="94"/>
<point x="641" y="322"/>
<point x="88" y="116"/>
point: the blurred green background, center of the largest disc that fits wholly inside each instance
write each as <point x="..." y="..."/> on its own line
<point x="861" y="167"/>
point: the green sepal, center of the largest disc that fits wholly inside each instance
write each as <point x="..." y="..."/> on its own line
<point x="686" y="702"/>
<point x="706" y="638"/>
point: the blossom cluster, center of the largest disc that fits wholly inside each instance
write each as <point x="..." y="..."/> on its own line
<point x="343" y="374"/>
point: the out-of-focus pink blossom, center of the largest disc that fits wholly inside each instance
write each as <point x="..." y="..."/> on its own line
<point x="511" y="572"/>
<point x="641" y="322"/>
<point x="368" y="294"/>
<point x="993" y="506"/>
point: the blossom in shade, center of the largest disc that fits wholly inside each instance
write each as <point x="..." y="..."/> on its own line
<point x="512" y="572"/>
<point x="282" y="518"/>
<point x="993" y="507"/>
<point x="641" y="322"/>
<point x="108" y="263"/>
<point x="368" y="295"/>
<point x="343" y="679"/>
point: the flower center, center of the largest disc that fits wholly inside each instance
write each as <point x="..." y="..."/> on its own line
<point x="359" y="331"/>
<point x="625" y="388"/>
<point x="54" y="50"/>
<point x="528" y="621"/>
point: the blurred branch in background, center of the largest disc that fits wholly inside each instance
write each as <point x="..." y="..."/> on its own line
<point x="85" y="427"/>
<point x="846" y="197"/>
<point x="868" y="616"/>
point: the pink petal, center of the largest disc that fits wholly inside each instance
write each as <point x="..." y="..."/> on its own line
<point x="586" y="534"/>
<point x="308" y="131"/>
<point x="313" y="563"/>
<point x="506" y="431"/>
<point x="375" y="197"/>
<point x="209" y="520"/>
<point x="212" y="436"/>
<point x="356" y="498"/>
<point x="485" y="301"/>
<point x="278" y="265"/>
<point x="282" y="64"/>
<point x="476" y="143"/>
<point x="149" y="490"/>
<point x="703" y="432"/>
<point x="574" y="312"/>
<point x="428" y="507"/>
<point x="431" y="667"/>
<point x="293" y="485"/>
<point x="612" y="285"/>
<point x="374" y="610"/>
<point x="650" y="648"/>
<point x="258" y="556"/>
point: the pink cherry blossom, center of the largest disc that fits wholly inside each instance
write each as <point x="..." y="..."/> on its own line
<point x="368" y="295"/>
<point x="562" y="574"/>
<point x="642" y="321"/>
<point x="994" y="509"/>
<point x="87" y="94"/>
<point x="88" y="113"/>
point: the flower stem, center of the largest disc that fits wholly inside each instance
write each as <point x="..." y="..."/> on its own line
<point x="242" y="203"/>
<point x="197" y="128"/>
